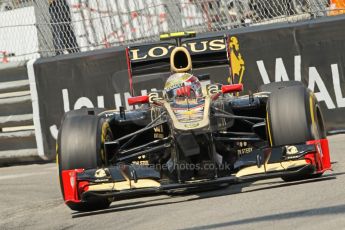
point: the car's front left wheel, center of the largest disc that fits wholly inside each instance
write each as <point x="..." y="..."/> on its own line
<point x="81" y="146"/>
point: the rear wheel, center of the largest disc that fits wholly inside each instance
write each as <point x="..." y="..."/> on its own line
<point x="294" y="117"/>
<point x="80" y="145"/>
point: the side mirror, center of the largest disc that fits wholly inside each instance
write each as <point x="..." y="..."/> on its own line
<point x="138" y="100"/>
<point x="232" y="88"/>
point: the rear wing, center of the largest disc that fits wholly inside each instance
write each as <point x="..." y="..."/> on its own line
<point x="154" y="58"/>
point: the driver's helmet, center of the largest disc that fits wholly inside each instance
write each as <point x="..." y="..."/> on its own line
<point x="182" y="86"/>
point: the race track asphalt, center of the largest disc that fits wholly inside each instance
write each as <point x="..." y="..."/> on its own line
<point x="30" y="199"/>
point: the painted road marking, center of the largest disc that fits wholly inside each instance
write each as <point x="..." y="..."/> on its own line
<point x="22" y="175"/>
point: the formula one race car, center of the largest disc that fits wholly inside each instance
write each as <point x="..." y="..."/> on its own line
<point x="190" y="136"/>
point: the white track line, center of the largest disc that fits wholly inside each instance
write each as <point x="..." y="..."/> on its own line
<point x="22" y="175"/>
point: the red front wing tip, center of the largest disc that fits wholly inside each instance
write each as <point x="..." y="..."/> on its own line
<point x="71" y="187"/>
<point x="321" y="158"/>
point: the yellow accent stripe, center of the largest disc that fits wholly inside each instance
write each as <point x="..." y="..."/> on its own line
<point x="269" y="129"/>
<point x="164" y="36"/>
<point x="242" y="72"/>
<point x="57" y="156"/>
<point x="105" y="127"/>
<point x="312" y="109"/>
<point x="311" y="103"/>
<point x="178" y="34"/>
<point x="57" y="162"/>
<point x="240" y="80"/>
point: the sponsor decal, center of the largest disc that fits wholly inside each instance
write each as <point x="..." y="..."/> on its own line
<point x="176" y="80"/>
<point x="290" y="150"/>
<point x="100" y="173"/>
<point x="141" y="160"/>
<point x="244" y="151"/>
<point x="155" y="96"/>
<point x="291" y="153"/>
<point x="145" y="53"/>
<point x="237" y="63"/>
<point x="191" y="125"/>
<point x="213" y="89"/>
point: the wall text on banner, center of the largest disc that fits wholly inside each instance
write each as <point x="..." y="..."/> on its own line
<point x="314" y="80"/>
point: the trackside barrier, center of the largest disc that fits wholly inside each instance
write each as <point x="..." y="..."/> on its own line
<point x="310" y="52"/>
<point x="17" y="134"/>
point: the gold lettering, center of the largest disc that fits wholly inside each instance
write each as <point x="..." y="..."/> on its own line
<point x="135" y="55"/>
<point x="193" y="47"/>
<point x="164" y="51"/>
<point x="217" y="44"/>
<point x="161" y="51"/>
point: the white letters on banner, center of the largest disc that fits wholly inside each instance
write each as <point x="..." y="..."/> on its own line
<point x="337" y="88"/>
<point x="82" y="102"/>
<point x="314" y="80"/>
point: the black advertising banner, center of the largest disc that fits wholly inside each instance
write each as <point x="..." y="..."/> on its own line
<point x="92" y="79"/>
<point x="311" y="52"/>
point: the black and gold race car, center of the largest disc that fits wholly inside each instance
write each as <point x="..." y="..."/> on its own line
<point x="190" y="135"/>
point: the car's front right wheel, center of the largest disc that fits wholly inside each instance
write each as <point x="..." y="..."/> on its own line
<point x="294" y="117"/>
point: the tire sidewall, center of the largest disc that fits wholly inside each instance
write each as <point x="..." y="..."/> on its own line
<point x="306" y="123"/>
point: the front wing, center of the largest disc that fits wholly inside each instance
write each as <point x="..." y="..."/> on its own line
<point x="127" y="181"/>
